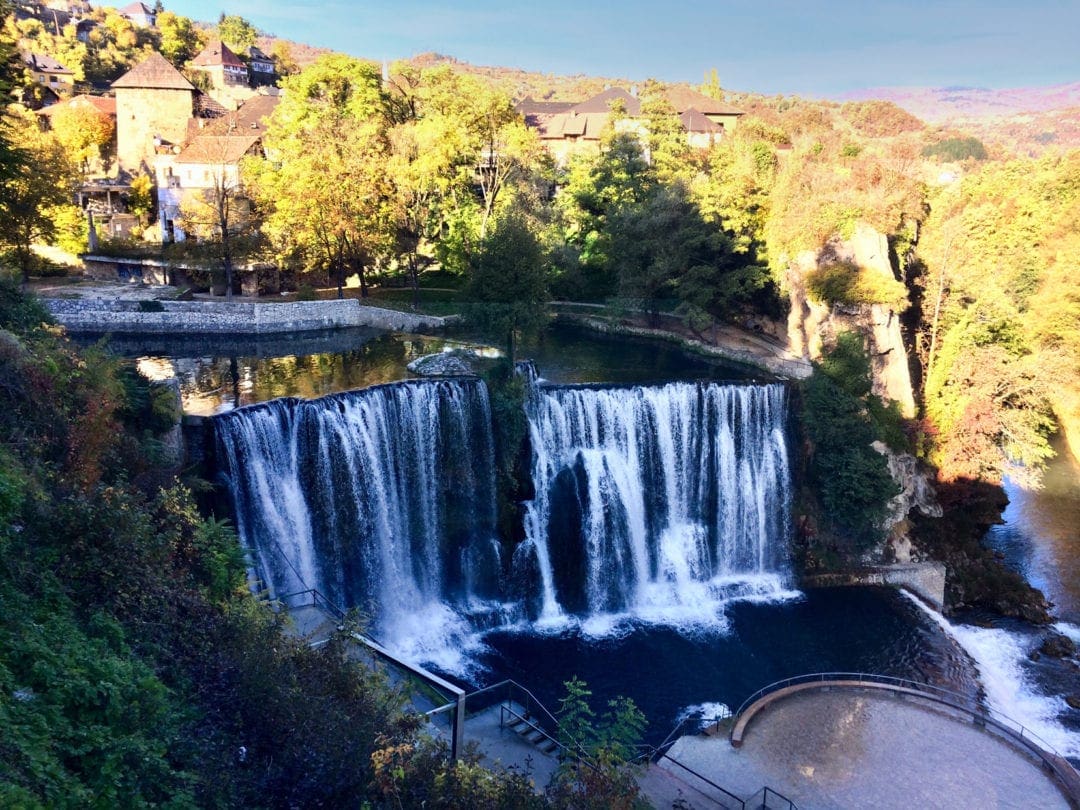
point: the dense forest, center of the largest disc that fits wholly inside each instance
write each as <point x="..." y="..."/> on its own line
<point x="135" y="667"/>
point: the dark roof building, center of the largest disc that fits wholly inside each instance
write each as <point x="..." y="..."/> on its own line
<point x="153" y="73"/>
<point x="696" y="121"/>
<point x="223" y="66"/>
<point x="40" y="63"/>
<point x="601" y="102"/>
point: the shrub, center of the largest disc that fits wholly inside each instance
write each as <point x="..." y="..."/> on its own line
<point x="956" y="149"/>
<point x="880" y="118"/>
<point x="849" y="477"/>
<point x="847" y="283"/>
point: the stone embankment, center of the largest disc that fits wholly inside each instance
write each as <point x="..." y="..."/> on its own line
<point x="730" y="343"/>
<point x="924" y="579"/>
<point x="238" y="317"/>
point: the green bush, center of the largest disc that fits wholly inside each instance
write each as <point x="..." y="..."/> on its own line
<point x="847" y="283"/>
<point x="851" y="479"/>
<point x="956" y="149"/>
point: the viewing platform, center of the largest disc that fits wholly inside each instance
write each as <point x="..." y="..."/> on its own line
<point x="838" y="743"/>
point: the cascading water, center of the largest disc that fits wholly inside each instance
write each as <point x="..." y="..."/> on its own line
<point x="382" y="499"/>
<point x="657" y="502"/>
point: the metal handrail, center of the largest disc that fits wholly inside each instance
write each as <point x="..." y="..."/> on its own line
<point x="986" y="716"/>
<point x="316" y="597"/>
<point x="954" y="699"/>
<point x="739" y="803"/>
<point x="512" y="684"/>
<point x="531" y="725"/>
<point x="574" y="747"/>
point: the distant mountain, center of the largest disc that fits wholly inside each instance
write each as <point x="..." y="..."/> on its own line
<point x="945" y="104"/>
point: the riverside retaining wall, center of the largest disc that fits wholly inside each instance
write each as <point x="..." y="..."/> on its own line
<point x="925" y="579"/>
<point x="241" y="317"/>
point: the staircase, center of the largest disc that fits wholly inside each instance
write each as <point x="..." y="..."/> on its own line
<point x="518" y="719"/>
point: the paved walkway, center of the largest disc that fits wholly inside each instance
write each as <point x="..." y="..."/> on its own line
<point x="846" y="750"/>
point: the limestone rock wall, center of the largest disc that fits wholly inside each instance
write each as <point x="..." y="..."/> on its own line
<point x="916" y="493"/>
<point x="812" y="325"/>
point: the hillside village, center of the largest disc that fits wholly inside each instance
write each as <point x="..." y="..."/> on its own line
<point x="913" y="284"/>
<point x="185" y="124"/>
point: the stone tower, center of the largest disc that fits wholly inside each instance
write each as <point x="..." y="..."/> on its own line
<point x="153" y="106"/>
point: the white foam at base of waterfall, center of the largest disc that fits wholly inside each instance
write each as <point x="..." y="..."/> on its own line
<point x="1000" y="657"/>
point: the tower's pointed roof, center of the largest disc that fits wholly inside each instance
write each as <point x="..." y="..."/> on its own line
<point x="155" y="73"/>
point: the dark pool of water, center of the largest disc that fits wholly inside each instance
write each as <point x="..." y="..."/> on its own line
<point x="220" y="373"/>
<point x="665" y="671"/>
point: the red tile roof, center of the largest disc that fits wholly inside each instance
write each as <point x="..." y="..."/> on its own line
<point x="102" y="104"/>
<point x="217" y="53"/>
<point x="683" y="99"/>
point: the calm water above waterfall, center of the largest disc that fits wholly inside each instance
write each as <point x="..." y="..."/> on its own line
<point x="217" y="375"/>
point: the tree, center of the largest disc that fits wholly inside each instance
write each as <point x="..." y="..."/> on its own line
<point x="326" y="193"/>
<point x="329" y="204"/>
<point x="669" y="151"/>
<point x="236" y="32"/>
<point x="85" y="132"/>
<point x="422" y="170"/>
<point x="597" y="772"/>
<point x="40" y="180"/>
<point x="735" y="191"/>
<point x="180" y="39"/>
<point x="850" y="478"/>
<point x="284" y="63"/>
<point x="507" y="289"/>
<point x="595" y="189"/>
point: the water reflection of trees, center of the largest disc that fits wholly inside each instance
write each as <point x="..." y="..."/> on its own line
<point x="212" y="384"/>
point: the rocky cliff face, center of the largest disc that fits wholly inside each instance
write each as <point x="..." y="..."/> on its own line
<point x="916" y="492"/>
<point x="812" y="325"/>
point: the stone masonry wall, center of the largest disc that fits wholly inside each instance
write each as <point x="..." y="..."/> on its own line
<point x="143" y="113"/>
<point x="211" y="317"/>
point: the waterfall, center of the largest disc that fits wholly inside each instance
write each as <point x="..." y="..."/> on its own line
<point x="654" y="503"/>
<point x="658" y="502"/>
<point x="382" y="499"/>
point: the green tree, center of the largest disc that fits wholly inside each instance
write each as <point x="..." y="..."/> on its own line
<point x="326" y="192"/>
<point x="596" y="773"/>
<point x="596" y="189"/>
<point x="180" y="39"/>
<point x="669" y="151"/>
<point x="507" y="289"/>
<point x="850" y="478"/>
<point x="41" y="181"/>
<point x="666" y="250"/>
<point x="735" y="191"/>
<point x="236" y="32"/>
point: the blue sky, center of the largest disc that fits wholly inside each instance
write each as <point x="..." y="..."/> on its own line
<point x="789" y="46"/>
